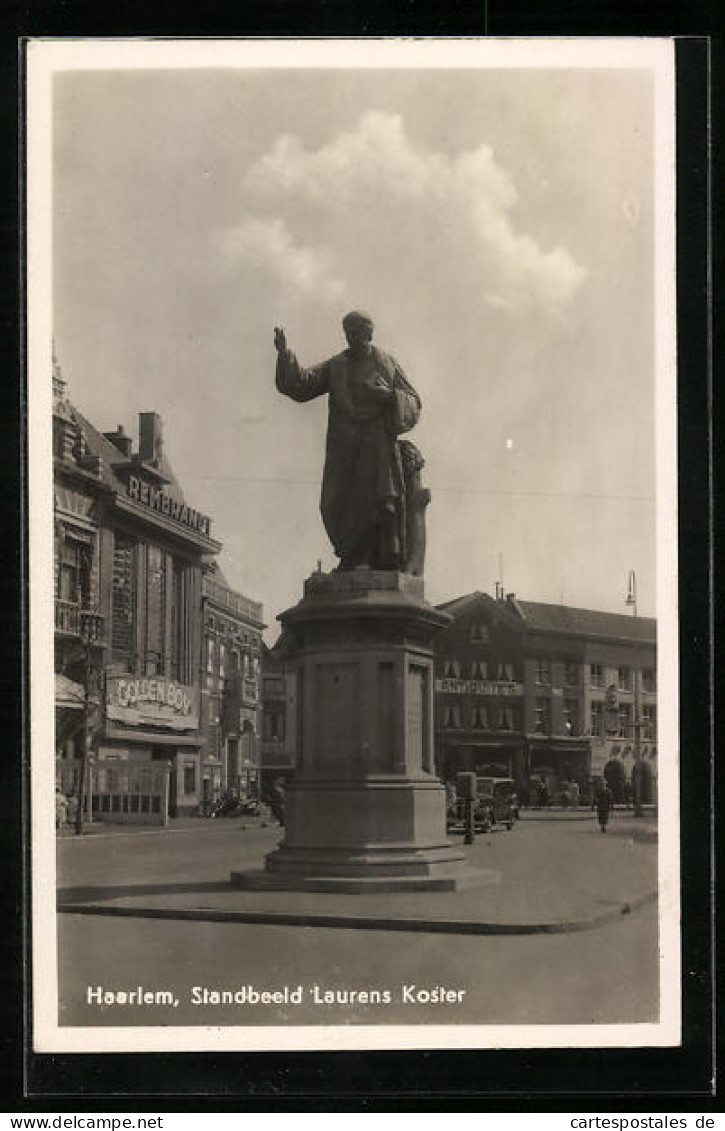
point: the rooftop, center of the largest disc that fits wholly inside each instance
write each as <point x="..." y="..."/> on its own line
<point x="540" y="616"/>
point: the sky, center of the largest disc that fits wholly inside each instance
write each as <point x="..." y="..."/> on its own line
<point x="496" y="223"/>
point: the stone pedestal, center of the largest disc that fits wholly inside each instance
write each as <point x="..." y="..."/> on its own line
<point x="364" y="810"/>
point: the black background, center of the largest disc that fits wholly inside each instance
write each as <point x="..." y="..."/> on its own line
<point x="652" y="1080"/>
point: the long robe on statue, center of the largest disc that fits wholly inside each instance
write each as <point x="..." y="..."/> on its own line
<point x="363" y="490"/>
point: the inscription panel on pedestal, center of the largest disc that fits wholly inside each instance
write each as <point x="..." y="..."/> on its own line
<point x="337" y="715"/>
<point x="416" y="719"/>
<point x="383" y="756"/>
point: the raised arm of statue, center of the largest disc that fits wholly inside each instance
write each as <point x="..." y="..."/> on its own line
<point x="292" y="379"/>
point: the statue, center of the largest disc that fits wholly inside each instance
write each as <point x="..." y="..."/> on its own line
<point x="417" y="498"/>
<point x="365" y="490"/>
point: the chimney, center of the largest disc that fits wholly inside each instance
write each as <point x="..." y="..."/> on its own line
<point x="120" y="440"/>
<point x="150" y="438"/>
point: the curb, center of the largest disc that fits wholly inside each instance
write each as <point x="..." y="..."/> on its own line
<point x="359" y="922"/>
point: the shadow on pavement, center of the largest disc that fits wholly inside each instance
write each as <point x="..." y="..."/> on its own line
<point x="105" y="892"/>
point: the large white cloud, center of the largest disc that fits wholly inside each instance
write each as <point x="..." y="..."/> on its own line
<point x="267" y="243"/>
<point x="372" y="181"/>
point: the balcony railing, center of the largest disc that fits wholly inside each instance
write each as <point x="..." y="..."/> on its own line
<point x="86" y="624"/>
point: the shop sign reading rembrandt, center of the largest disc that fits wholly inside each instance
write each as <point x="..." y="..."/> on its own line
<point x="478" y="687"/>
<point x="161" y="502"/>
<point x="152" y="701"/>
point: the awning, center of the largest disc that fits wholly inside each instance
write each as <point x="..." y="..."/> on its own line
<point x="68" y="694"/>
<point x="152" y="737"/>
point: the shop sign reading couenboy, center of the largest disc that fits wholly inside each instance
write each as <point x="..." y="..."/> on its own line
<point x="152" y="701"/>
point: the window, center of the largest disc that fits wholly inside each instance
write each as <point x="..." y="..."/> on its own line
<point x="452" y="716"/>
<point x="176" y="621"/>
<point x="479" y="717"/>
<point x="189" y="777"/>
<point x="541" y="716"/>
<point x="570" y="716"/>
<point x="452" y="669"/>
<point x="222" y="658"/>
<point x="74" y="572"/>
<point x="598" y="675"/>
<point x="624" y="677"/>
<point x="543" y="671"/>
<point x="273" y="685"/>
<point x="148" y="615"/>
<point x="155" y="610"/>
<point x="505" y="671"/>
<point x="479" y="670"/>
<point x="123" y="600"/>
<point x="598" y="720"/>
<point x="625" y="720"/>
<point x="649" y="679"/>
<point x="649" y="718"/>
<point x="210" y="654"/>
<point x="478" y="631"/>
<point x="213" y="710"/>
<point x="506" y="718"/>
<point x="570" y="673"/>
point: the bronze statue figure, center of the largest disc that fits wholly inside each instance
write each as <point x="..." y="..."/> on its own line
<point x="371" y="403"/>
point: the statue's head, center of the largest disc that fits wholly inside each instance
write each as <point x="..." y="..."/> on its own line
<point x="358" y="327"/>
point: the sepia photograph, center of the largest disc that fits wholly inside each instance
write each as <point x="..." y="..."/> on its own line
<point x="353" y="544"/>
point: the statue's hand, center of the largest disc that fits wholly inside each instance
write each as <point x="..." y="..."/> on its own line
<point x="381" y="393"/>
<point x="280" y="339"/>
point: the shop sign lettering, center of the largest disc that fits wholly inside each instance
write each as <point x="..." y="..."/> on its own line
<point x="160" y="501"/>
<point x="152" y="700"/>
<point x="477" y="687"/>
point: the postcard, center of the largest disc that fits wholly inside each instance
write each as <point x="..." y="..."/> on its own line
<point x="353" y="544"/>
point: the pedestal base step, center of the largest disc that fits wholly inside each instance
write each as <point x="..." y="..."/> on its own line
<point x="456" y="880"/>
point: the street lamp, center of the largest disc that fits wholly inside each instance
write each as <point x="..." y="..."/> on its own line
<point x="90" y="639"/>
<point x="632" y="592"/>
<point x="639" y="723"/>
<point x="638" y="768"/>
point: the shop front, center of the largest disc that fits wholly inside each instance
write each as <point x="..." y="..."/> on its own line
<point x="557" y="762"/>
<point x="156" y="720"/>
<point x="487" y="757"/>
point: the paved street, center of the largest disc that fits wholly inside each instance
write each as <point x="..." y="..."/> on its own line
<point x="605" y="974"/>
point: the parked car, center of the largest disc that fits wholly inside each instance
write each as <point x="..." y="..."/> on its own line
<point x="499" y="798"/>
<point x="456" y="813"/>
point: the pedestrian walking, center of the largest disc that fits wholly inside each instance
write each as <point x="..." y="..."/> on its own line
<point x="605" y="804"/>
<point x="276" y="800"/>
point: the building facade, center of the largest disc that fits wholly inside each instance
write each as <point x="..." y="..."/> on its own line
<point x="279" y="716"/>
<point x="230" y="696"/>
<point x="130" y="610"/>
<point x="548" y="693"/>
